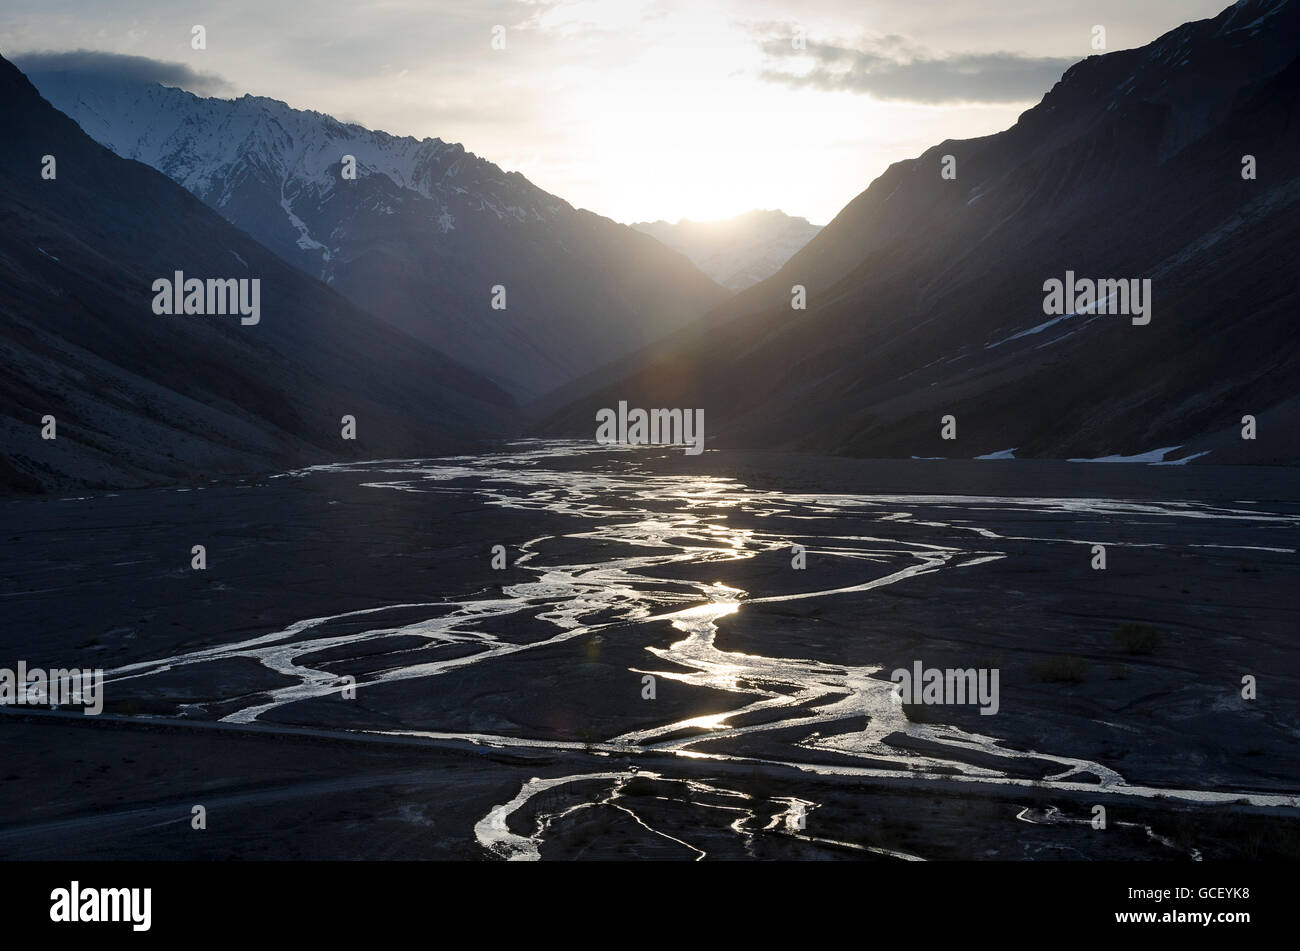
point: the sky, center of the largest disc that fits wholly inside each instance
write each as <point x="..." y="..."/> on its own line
<point x="636" y="109"/>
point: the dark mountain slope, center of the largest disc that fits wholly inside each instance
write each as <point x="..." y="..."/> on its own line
<point x="144" y="399"/>
<point x="1129" y="168"/>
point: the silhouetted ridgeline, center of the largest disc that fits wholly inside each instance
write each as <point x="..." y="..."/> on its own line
<point x="926" y="294"/>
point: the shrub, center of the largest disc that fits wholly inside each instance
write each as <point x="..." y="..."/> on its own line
<point x="1137" y="638"/>
<point x="1063" y="668"/>
<point x="915" y="712"/>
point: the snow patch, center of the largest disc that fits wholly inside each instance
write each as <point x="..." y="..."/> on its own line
<point x="305" y="240"/>
<point x="1152" y="457"/>
<point x="1049" y="323"/>
<point x="1183" y="461"/>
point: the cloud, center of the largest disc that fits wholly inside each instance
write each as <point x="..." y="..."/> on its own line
<point x="893" y="68"/>
<point x="120" y="66"/>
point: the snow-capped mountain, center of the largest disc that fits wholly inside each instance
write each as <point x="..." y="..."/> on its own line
<point x="422" y="237"/>
<point x="736" y="252"/>
<point x="141" y="398"/>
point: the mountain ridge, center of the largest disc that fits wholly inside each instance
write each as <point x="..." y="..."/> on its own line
<point x="1130" y="166"/>
<point x="737" y="252"/>
<point x="140" y="399"/>
<point x="422" y="237"/>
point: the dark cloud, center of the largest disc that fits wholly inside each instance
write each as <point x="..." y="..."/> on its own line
<point x="895" y="69"/>
<point x="119" y="66"/>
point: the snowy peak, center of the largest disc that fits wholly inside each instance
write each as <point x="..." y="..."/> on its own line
<point x="199" y="141"/>
<point x="420" y="236"/>
<point x="143" y="398"/>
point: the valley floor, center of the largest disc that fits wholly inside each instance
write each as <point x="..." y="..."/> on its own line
<point x="505" y="713"/>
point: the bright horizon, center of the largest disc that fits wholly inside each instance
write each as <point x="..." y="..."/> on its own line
<point x="639" y="110"/>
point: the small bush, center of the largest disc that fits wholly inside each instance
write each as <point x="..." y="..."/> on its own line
<point x="915" y="712"/>
<point x="639" y="786"/>
<point x="1137" y="638"/>
<point x="1063" y="668"/>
